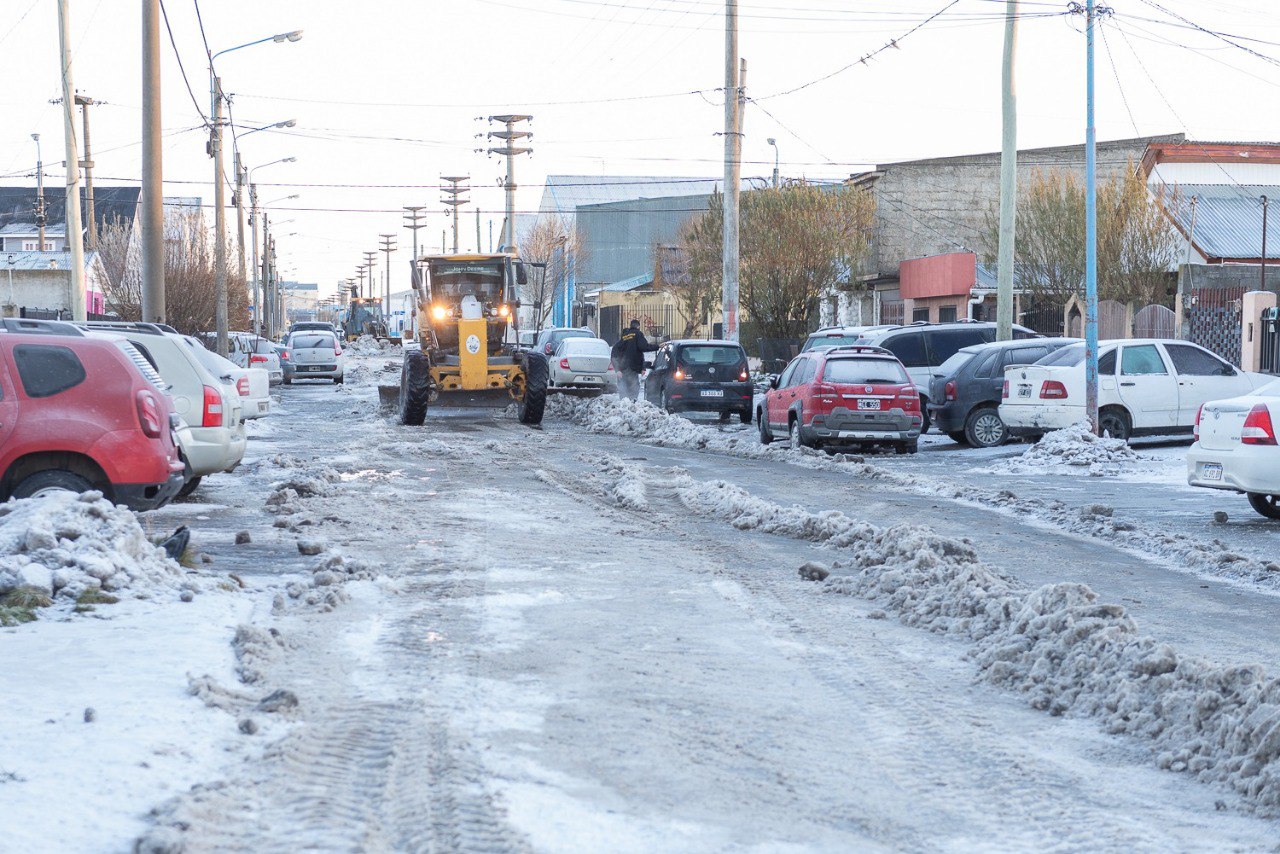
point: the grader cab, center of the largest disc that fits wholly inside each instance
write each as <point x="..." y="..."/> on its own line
<point x="458" y="350"/>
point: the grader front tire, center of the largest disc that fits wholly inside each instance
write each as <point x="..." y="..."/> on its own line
<point x="415" y="388"/>
<point x="534" y="400"/>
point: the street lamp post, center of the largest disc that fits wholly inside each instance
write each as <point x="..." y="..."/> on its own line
<point x="774" y="143"/>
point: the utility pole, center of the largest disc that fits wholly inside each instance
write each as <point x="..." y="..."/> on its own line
<point x="253" y="225"/>
<point x="1178" y="300"/>
<point x="219" y="218"/>
<point x="91" y="222"/>
<point x="479" y="246"/>
<point x="371" y="261"/>
<point x="413" y="222"/>
<point x="238" y="201"/>
<point x="1008" y="178"/>
<point x="152" y="207"/>
<point x="510" y="151"/>
<point x="360" y="268"/>
<point x="1091" y="233"/>
<point x="732" y="173"/>
<point x="41" y="217"/>
<point x="451" y="199"/>
<point x="75" y="238"/>
<point x="388" y="246"/>
<point x="1262" y="272"/>
<point x="268" y="304"/>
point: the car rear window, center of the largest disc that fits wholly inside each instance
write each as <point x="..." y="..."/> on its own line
<point x="823" y="342"/>
<point x="945" y="342"/>
<point x="955" y="363"/>
<point x="704" y="354"/>
<point x="1067" y="357"/>
<point x="585" y="346"/>
<point x="47" y="369"/>
<point x="143" y="364"/>
<point x="865" y="371"/>
<point x="312" y="342"/>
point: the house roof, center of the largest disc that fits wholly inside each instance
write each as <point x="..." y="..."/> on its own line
<point x="630" y="284"/>
<point x="1228" y="219"/>
<point x="565" y="193"/>
<point x="17" y="204"/>
<point x="1266" y="153"/>
<point x="1026" y="155"/>
<point x="30" y="229"/>
<point x="40" y="261"/>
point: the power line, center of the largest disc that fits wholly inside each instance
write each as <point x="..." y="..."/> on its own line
<point x="1217" y="35"/>
<point x="1119" y="86"/>
<point x="174" y="43"/>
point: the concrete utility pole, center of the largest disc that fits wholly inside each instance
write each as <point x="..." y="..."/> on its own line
<point x="371" y="261"/>
<point x="253" y="226"/>
<point x="479" y="246"/>
<point x="41" y="217"/>
<point x="238" y="202"/>
<point x="152" y="202"/>
<point x="509" y="151"/>
<point x="1008" y="178"/>
<point x="1262" y="271"/>
<point x="1091" y="233"/>
<point x="451" y="199"/>
<point x="75" y="238"/>
<point x="732" y="174"/>
<point x="219" y="218"/>
<point x="413" y="222"/>
<point x="389" y="246"/>
<point x="91" y="221"/>
<point x="268" y="304"/>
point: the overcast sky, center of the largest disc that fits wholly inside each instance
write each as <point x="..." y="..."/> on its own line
<point x="387" y="92"/>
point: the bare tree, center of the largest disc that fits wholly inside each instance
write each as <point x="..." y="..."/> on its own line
<point x="553" y="243"/>
<point x="795" y="244"/>
<point x="673" y="272"/>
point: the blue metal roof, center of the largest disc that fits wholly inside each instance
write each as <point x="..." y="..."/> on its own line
<point x="630" y="284"/>
<point x="1228" y="219"/>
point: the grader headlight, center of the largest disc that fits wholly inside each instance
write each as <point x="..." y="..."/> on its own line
<point x="504" y="311"/>
<point x="437" y="312"/>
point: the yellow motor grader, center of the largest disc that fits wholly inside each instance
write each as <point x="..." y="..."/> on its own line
<point x="458" y="349"/>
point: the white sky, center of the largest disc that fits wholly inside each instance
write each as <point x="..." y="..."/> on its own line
<point x="388" y="91"/>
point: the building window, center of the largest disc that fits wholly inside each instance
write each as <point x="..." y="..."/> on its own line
<point x="947" y="314"/>
<point x="919" y="315"/>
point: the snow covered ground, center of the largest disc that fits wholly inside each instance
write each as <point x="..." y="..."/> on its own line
<point x="634" y="632"/>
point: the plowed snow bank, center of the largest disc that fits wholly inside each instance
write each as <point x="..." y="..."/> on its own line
<point x="1076" y="447"/>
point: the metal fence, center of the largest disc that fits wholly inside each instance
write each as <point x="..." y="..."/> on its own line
<point x="774" y="353"/>
<point x="891" y="311"/>
<point x="658" y="318"/>
<point x="1215" y="320"/>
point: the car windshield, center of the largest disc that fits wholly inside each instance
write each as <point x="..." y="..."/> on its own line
<point x="702" y="354"/>
<point x="585" y="347"/>
<point x="865" y="371"/>
<point x="311" y="342"/>
<point x="952" y="365"/>
<point x="826" y="341"/>
<point x="1067" y="357"/>
<point x="262" y="345"/>
<point x="213" y="363"/>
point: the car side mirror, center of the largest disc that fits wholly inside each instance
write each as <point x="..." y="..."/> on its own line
<point x="773" y="380"/>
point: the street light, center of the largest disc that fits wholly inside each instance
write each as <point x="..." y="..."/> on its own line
<point x="219" y="193"/>
<point x="253" y="221"/>
<point x="281" y="199"/>
<point x="288" y="123"/>
<point x="774" y="143"/>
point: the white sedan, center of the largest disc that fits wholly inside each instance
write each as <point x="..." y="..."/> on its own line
<point x="1236" y="448"/>
<point x="582" y="363"/>
<point x="1146" y="387"/>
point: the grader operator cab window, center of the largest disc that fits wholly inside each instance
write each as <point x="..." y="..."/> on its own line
<point x="452" y="282"/>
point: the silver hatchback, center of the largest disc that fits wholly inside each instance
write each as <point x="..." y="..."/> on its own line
<point x="317" y="354"/>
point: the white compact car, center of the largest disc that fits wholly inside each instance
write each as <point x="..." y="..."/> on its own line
<point x="316" y="355"/>
<point x="582" y="363"/>
<point x="1146" y="387"/>
<point x="252" y="384"/>
<point x="1236" y="448"/>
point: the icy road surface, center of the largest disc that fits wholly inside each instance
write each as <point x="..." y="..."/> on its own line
<point x="532" y="642"/>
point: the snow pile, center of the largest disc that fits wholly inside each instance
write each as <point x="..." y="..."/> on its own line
<point x="627" y="489"/>
<point x="324" y="588"/>
<point x="1077" y="448"/>
<point x="621" y="417"/>
<point x="1057" y="644"/>
<point x="65" y="544"/>
<point x="367" y="345"/>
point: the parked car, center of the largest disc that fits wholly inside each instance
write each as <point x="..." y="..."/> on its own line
<point x="312" y="326"/>
<point x="923" y="347"/>
<point x="286" y="362"/>
<point x="549" y="339"/>
<point x="1235" y="448"/>
<point x="251" y="384"/>
<point x="582" y="363"/>
<point x="843" y="396"/>
<point x="254" y="351"/>
<point x="215" y="441"/>
<point x="965" y="392"/>
<point x="838" y="336"/>
<point x="701" y="376"/>
<point x="79" y="413"/>
<point x="1146" y="387"/>
<point x="317" y="355"/>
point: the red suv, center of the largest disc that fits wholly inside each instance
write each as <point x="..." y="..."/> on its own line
<point x="80" y="413"/>
<point x="851" y="396"/>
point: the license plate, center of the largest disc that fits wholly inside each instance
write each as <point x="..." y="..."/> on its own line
<point x="713" y="392"/>
<point x="1024" y="391"/>
<point x="865" y="403"/>
<point x="588" y="379"/>
<point x="1211" y="471"/>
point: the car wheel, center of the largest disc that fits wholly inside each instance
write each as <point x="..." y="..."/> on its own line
<point x="725" y="416"/>
<point x="1266" y="505"/>
<point x="766" y="435"/>
<point x="797" y="439"/>
<point x="985" y="429"/>
<point x="49" y="481"/>
<point x="958" y="437"/>
<point x="288" y="380"/>
<point x="1114" y="422"/>
<point x="337" y="380"/>
<point x="925" y="420"/>
<point x="745" y="416"/>
<point x="906" y="448"/>
<point x="190" y="486"/>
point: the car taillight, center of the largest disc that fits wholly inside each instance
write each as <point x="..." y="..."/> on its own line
<point x="908" y="398"/>
<point x="1004" y="392"/>
<point x="242" y="386"/>
<point x="149" y="414"/>
<point x="212" y="408"/>
<point x="824" y="391"/>
<point x="257" y="360"/>
<point x="1257" y="427"/>
<point x="337" y="350"/>
<point x="1052" y="390"/>
<point x="284" y="354"/>
<point x="564" y="364"/>
<point x="679" y="373"/>
<point x="1195" y="429"/>
<point x="742" y="374"/>
<point x="611" y="367"/>
<point x="949" y="390"/>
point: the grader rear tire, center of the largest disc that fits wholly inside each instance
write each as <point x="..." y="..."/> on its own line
<point x="534" y="400"/>
<point x="415" y="388"/>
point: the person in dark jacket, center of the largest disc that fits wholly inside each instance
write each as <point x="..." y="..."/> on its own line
<point x="628" y="360"/>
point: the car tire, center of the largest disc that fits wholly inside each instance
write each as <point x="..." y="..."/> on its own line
<point x="1114" y="422"/>
<point x="925" y="420"/>
<point x="797" y="437"/>
<point x="958" y="437"/>
<point x="190" y="486"/>
<point x="534" y="400"/>
<point x="766" y="435"/>
<point x="1265" y="505"/>
<point x="415" y="388"/>
<point x="744" y="416"/>
<point x="906" y="448"/>
<point x="984" y="428"/>
<point x="725" y="415"/>
<point x="50" y="480"/>
<point x="288" y="380"/>
<point x="337" y="380"/>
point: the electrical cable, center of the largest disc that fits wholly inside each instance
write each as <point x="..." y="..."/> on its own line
<point x="182" y="68"/>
